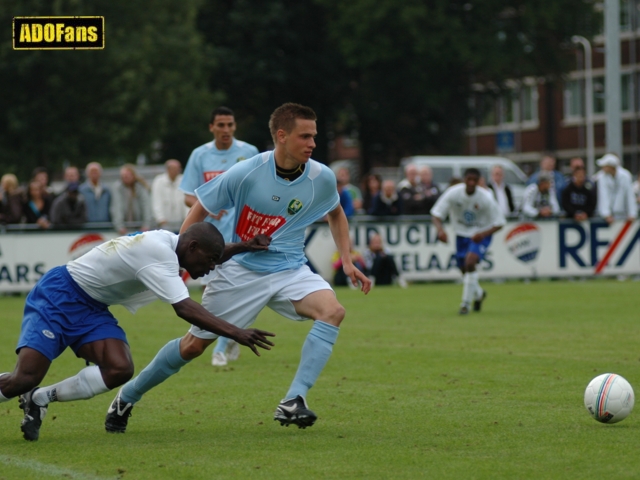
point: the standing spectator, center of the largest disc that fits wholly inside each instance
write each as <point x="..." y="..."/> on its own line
<point x="539" y="200"/>
<point x="130" y="201"/>
<point x="71" y="175"/>
<point x="97" y="196"/>
<point x="387" y="202"/>
<point x="579" y="197"/>
<point x="37" y="204"/>
<point x="380" y="263"/>
<point x="372" y="184"/>
<point x="205" y="163"/>
<point x="411" y="192"/>
<point x="69" y="209"/>
<point x="501" y="191"/>
<point x="11" y="201"/>
<point x="41" y="174"/>
<point x="556" y="179"/>
<point x="636" y="189"/>
<point x="616" y="199"/>
<point x="346" y="202"/>
<point x="166" y="197"/>
<point x="430" y="190"/>
<point x="344" y="177"/>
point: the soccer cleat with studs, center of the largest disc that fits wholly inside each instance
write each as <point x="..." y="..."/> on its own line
<point x="33" y="416"/>
<point x="464" y="309"/>
<point x="118" y="415"/>
<point x="477" y="304"/>
<point x="295" y="411"/>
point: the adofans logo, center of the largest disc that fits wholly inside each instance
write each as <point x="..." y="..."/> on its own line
<point x="58" y="33"/>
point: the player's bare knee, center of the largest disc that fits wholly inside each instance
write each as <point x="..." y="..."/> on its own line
<point x="192" y="347"/>
<point x="333" y="314"/>
<point x="117" y="375"/>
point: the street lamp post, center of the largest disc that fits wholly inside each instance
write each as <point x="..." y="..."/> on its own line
<point x="588" y="76"/>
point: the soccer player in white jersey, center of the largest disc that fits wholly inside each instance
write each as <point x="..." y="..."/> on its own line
<point x="475" y="216"/>
<point x="68" y="307"/>
<point x="279" y="194"/>
<point x="205" y="163"/>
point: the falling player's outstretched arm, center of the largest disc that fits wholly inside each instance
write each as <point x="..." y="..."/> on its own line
<point x="340" y="231"/>
<point x="197" y="315"/>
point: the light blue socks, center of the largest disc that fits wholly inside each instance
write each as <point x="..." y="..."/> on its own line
<point x="221" y="345"/>
<point x="316" y="351"/>
<point x="167" y="362"/>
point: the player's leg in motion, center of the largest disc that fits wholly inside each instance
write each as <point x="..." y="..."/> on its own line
<point x="324" y="308"/>
<point x="167" y="362"/>
<point x="471" y="291"/>
<point x="113" y="367"/>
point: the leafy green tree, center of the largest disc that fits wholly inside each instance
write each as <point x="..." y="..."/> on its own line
<point x="412" y="63"/>
<point x="148" y="84"/>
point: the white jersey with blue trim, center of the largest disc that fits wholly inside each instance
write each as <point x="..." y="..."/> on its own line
<point x="207" y="162"/>
<point x="132" y="270"/>
<point x="469" y="214"/>
<point x="265" y="203"/>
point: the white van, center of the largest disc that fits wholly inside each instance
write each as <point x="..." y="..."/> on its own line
<point x="446" y="167"/>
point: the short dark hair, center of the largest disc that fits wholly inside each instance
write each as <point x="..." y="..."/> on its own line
<point x="38" y="170"/>
<point x="221" y="111"/>
<point x="472" y="171"/>
<point x="207" y="236"/>
<point x="284" y="117"/>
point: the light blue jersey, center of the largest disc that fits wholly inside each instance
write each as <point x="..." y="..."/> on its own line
<point x="265" y="203"/>
<point x="207" y="162"/>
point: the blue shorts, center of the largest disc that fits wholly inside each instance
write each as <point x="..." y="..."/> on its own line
<point x="465" y="245"/>
<point x="59" y="314"/>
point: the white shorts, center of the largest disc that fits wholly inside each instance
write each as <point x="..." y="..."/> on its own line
<point x="237" y="294"/>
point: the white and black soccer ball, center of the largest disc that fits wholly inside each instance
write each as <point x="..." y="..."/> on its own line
<point x="609" y="398"/>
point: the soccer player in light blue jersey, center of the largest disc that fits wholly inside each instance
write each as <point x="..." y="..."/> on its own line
<point x="205" y="163"/>
<point x="279" y="194"/>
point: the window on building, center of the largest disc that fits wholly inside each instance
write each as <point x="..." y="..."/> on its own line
<point x="507" y="106"/>
<point x="529" y="96"/>
<point x="599" y="95"/>
<point x="486" y="110"/>
<point x="573" y="99"/>
<point x="626" y="93"/>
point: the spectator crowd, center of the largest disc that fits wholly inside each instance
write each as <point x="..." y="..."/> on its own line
<point x="610" y="194"/>
<point x="128" y="203"/>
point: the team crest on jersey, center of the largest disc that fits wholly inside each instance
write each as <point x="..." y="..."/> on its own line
<point x="294" y="206"/>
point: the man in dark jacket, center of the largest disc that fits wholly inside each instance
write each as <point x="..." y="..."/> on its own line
<point x="69" y="208"/>
<point x="579" y="198"/>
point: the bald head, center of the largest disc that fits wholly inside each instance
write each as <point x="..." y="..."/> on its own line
<point x="174" y="168"/>
<point x="199" y="248"/>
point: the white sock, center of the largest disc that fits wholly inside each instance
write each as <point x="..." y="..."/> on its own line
<point x="86" y="384"/>
<point x="468" y="289"/>
<point x="2" y="397"/>
<point x="475" y="285"/>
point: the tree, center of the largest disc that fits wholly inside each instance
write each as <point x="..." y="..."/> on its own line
<point x="412" y="63"/>
<point x="107" y="105"/>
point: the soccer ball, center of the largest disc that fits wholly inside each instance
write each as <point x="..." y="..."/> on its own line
<point x="609" y="398"/>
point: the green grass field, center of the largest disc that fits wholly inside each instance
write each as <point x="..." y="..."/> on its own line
<point x="412" y="391"/>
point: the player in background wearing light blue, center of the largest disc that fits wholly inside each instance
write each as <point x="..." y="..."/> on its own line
<point x="279" y="194"/>
<point x="205" y="163"/>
